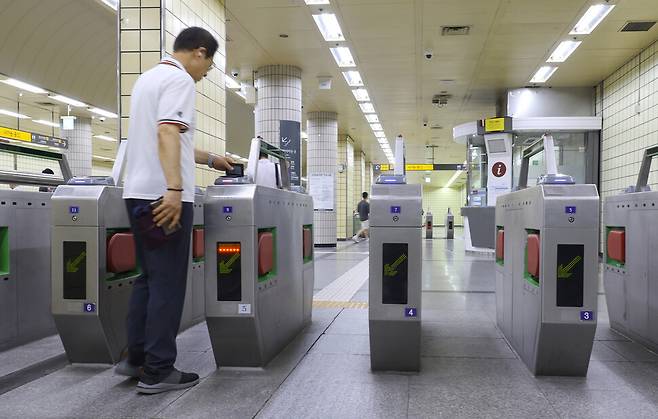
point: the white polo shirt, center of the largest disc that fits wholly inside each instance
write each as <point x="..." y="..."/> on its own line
<point x="163" y="95"/>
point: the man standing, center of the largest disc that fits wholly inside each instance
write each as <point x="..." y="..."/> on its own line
<point x="159" y="194"/>
<point x="364" y="212"/>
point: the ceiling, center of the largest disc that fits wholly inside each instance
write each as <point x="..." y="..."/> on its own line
<point x="73" y="52"/>
<point x="508" y="41"/>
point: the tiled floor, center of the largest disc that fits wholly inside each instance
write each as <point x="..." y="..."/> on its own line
<point x="468" y="369"/>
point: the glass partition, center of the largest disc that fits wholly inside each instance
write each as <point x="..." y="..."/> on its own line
<point x="476" y="182"/>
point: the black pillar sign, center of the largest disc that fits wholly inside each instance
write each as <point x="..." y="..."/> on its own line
<point x="290" y="143"/>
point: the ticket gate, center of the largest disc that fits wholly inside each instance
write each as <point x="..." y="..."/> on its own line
<point x="630" y="276"/>
<point x="429" y="222"/>
<point x="394" y="312"/>
<point x="25" y="250"/>
<point x="547" y="270"/>
<point x="259" y="284"/>
<point x="450" y="225"/>
<point x="94" y="265"/>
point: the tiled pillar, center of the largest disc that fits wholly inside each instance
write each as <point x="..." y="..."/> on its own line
<point x="279" y="99"/>
<point x="322" y="130"/>
<point x="342" y="228"/>
<point x="367" y="177"/>
<point x="359" y="177"/>
<point x="349" y="193"/>
<point x="80" y="148"/>
<point x="148" y="29"/>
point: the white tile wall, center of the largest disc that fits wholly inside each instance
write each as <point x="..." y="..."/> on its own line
<point x="627" y="132"/>
<point x="321" y="151"/>
<point x="438" y="200"/>
<point x="279" y="98"/>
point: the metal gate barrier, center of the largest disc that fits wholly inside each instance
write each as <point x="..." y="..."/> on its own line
<point x="630" y="276"/>
<point x="547" y="269"/>
<point x="259" y="284"/>
<point x="25" y="248"/>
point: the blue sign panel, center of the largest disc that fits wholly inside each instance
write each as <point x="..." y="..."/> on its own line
<point x="89" y="307"/>
<point x="228" y="210"/>
<point x="396" y="210"/>
<point x="74" y="210"/>
<point x="410" y="312"/>
<point x="586" y="315"/>
<point x="570" y="210"/>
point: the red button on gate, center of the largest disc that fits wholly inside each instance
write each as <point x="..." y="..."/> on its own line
<point x="265" y="253"/>
<point x="533" y="254"/>
<point x="121" y="253"/>
<point x="617" y="245"/>
<point x="500" y="244"/>
<point x="198" y="250"/>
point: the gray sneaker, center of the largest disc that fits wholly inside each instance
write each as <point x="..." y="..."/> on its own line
<point x="129" y="370"/>
<point x="177" y="380"/>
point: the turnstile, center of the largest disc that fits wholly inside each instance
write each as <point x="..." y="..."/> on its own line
<point x="24" y="267"/>
<point x="94" y="265"/>
<point x="547" y="272"/>
<point x="25" y="246"/>
<point x="630" y="276"/>
<point x="450" y="225"/>
<point x="259" y="283"/>
<point x="429" y="221"/>
<point x="394" y="312"/>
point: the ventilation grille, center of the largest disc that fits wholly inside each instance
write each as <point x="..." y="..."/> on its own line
<point x="638" y="26"/>
<point x="455" y="30"/>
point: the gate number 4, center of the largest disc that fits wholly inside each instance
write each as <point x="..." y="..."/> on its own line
<point x="410" y="312"/>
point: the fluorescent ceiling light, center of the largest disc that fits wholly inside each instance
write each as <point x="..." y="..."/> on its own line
<point x="105" y="137"/>
<point x="353" y="78"/>
<point x="382" y="140"/>
<point x="428" y="179"/>
<point x="343" y="56"/>
<point x="24" y="86"/>
<point x="13" y="114"/>
<point x="563" y="51"/>
<point x="103" y="112"/>
<point x="69" y="101"/>
<point x="112" y="3"/>
<point x="372" y="118"/>
<point x="543" y="74"/>
<point x="44" y="122"/>
<point x="329" y="27"/>
<point x="591" y="19"/>
<point x="367" y="107"/>
<point x="232" y="83"/>
<point x="361" y="95"/>
<point x="380" y="134"/>
<point x="310" y="2"/>
<point x="376" y="127"/>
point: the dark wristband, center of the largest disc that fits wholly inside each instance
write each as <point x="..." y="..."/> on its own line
<point x="174" y="190"/>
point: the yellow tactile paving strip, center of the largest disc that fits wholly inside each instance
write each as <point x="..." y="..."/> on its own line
<point x="339" y="304"/>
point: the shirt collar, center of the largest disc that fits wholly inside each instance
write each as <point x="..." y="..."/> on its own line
<point x="172" y="61"/>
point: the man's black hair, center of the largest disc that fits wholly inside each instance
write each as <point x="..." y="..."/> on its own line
<point x="365" y="195"/>
<point x="194" y="37"/>
<point x="47" y="171"/>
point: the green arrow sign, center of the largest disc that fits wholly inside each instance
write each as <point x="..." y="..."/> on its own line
<point x="390" y="270"/>
<point x="225" y="267"/>
<point x="73" y="266"/>
<point x="564" y="272"/>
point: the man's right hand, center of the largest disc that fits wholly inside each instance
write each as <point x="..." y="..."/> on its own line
<point x="169" y="212"/>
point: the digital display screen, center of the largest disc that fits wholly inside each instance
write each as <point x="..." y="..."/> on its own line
<point x="570" y="210"/>
<point x="74" y="266"/>
<point x="496" y="146"/>
<point x="570" y="275"/>
<point x="229" y="272"/>
<point x="396" y="210"/>
<point x="228" y="210"/>
<point x="395" y="273"/>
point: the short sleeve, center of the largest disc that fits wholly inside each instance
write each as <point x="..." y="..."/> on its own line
<point x="176" y="103"/>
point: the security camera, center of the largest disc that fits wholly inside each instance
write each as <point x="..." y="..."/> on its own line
<point x="102" y="119"/>
<point x="428" y="54"/>
<point x="425" y="121"/>
<point x="235" y="72"/>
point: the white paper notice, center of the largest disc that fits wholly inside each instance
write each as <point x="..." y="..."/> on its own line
<point x="322" y="191"/>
